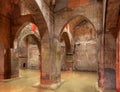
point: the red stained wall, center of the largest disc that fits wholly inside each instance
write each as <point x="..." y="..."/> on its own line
<point x="76" y="3"/>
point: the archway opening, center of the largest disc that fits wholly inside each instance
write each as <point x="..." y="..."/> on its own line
<point x="26" y="51"/>
<point x="79" y="43"/>
<point x="85" y="47"/>
<point x="79" y="38"/>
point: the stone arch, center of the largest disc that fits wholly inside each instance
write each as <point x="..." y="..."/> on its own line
<point x="79" y="18"/>
<point x="85" y="42"/>
<point x="25" y="30"/>
<point x="42" y="17"/>
<point x="64" y="17"/>
<point x="38" y="15"/>
<point x="76" y="21"/>
<point x="66" y="48"/>
<point x="65" y="37"/>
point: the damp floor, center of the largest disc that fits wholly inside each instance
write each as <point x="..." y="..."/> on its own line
<point x="73" y="82"/>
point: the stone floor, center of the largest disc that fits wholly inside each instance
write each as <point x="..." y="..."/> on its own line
<point x="74" y="82"/>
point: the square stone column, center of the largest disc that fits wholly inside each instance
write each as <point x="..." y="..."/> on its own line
<point x="5" y="52"/>
<point x="7" y="70"/>
<point x="118" y="59"/>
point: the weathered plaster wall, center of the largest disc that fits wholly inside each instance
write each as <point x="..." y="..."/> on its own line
<point x="5" y="31"/>
<point x="50" y="46"/>
<point x="86" y="57"/>
<point x="110" y="51"/>
<point x="5" y="39"/>
<point x="22" y="51"/>
<point x="93" y="12"/>
<point x="33" y="55"/>
<point x="85" y="48"/>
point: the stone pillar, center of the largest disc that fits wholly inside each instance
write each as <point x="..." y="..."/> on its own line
<point x="50" y="73"/>
<point x="101" y="63"/>
<point x="69" y="62"/>
<point x="102" y="49"/>
<point x="118" y="59"/>
<point x="5" y="40"/>
<point x="23" y="53"/>
<point x="45" y="62"/>
<point x="56" y="61"/>
<point x="5" y="63"/>
<point x="50" y="61"/>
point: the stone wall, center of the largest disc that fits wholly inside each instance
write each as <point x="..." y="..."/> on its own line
<point x="33" y="57"/>
<point x="28" y="54"/>
<point x="5" y="39"/>
<point x="23" y="54"/>
<point x="93" y="12"/>
<point x="14" y="62"/>
<point x="5" y="31"/>
<point x="85" y="48"/>
<point x="110" y="51"/>
<point x="85" y="43"/>
<point x="86" y="56"/>
<point x="110" y="61"/>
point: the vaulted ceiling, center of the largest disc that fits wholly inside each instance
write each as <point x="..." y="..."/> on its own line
<point x="112" y="12"/>
<point x="34" y="9"/>
<point x="113" y="9"/>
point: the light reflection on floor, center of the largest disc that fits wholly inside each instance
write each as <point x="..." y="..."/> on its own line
<point x="74" y="82"/>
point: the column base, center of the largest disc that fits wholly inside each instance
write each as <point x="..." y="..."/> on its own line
<point x="50" y="86"/>
<point x="6" y="76"/>
<point x="97" y="88"/>
<point x="11" y="79"/>
<point x="118" y="89"/>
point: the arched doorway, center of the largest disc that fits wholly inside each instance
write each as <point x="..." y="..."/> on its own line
<point x="67" y="50"/>
<point x="80" y="41"/>
<point x="85" y="43"/>
<point x="27" y="46"/>
<point x="28" y="53"/>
